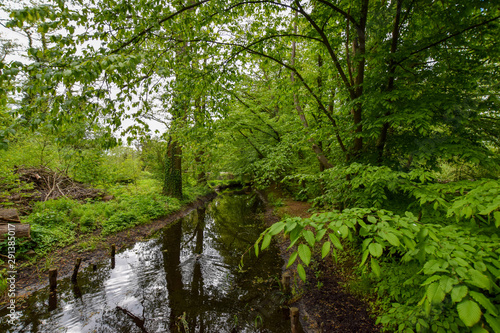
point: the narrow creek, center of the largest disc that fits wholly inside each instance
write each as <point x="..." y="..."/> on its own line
<point x="184" y="279"/>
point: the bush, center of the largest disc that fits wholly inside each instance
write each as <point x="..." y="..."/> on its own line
<point x="47" y="238"/>
<point x="430" y="277"/>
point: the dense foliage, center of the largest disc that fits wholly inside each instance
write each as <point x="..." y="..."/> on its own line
<point x="382" y="113"/>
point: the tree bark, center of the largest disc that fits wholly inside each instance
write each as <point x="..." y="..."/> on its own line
<point x="317" y="149"/>
<point x="382" y="139"/>
<point x="359" y="47"/>
<point x="172" y="185"/>
<point x="19" y="230"/>
<point x="9" y="215"/>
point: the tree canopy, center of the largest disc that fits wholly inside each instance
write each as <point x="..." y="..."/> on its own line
<point x="375" y="104"/>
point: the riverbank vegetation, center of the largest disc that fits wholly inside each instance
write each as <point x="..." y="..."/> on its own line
<point x="69" y="195"/>
<point x="383" y="114"/>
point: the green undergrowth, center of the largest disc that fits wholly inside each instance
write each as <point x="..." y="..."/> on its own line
<point x="437" y="270"/>
<point x="59" y="223"/>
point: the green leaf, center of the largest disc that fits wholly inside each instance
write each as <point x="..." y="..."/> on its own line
<point x="292" y="258"/>
<point x="266" y="242"/>
<point x="447" y="283"/>
<point x="435" y="294"/>
<point x="484" y="301"/>
<point x="309" y="237"/>
<point x="493" y="322"/>
<point x="365" y="256"/>
<point x="496" y="216"/>
<point x="458" y="293"/>
<point x="304" y="254"/>
<point x="478" y="279"/>
<point x="256" y="246"/>
<point x="431" y="279"/>
<point x="393" y="239"/>
<point x="375" y="249"/>
<point x="344" y="231"/>
<point x="320" y="234"/>
<point x="479" y="329"/>
<point x="302" y="272"/>
<point x="375" y="267"/>
<point x="334" y="255"/>
<point x="290" y="226"/>
<point x="335" y="241"/>
<point x="276" y="228"/>
<point x="469" y="312"/>
<point x="325" y="249"/>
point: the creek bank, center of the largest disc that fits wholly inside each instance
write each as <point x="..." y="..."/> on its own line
<point x="35" y="276"/>
<point x="324" y="303"/>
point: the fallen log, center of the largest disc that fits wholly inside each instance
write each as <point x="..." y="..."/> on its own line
<point x="9" y="215"/>
<point x="18" y="230"/>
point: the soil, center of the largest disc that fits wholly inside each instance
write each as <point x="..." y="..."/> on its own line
<point x="324" y="303"/>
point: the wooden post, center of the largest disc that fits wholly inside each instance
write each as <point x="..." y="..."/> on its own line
<point x="294" y="319"/>
<point x="52" y="300"/>
<point x="53" y="279"/>
<point x="285" y="281"/>
<point x="113" y="248"/>
<point x="75" y="270"/>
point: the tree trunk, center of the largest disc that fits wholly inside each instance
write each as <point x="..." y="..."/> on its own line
<point x="202" y="177"/>
<point x="382" y="139"/>
<point x="325" y="164"/>
<point x="9" y="215"/>
<point x="17" y="230"/>
<point x="172" y="185"/>
<point x="359" y="47"/>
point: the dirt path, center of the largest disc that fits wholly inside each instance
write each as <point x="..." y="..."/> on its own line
<point x="324" y="305"/>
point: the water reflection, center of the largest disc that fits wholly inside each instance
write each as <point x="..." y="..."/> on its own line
<point x="185" y="280"/>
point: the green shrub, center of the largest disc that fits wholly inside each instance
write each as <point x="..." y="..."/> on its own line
<point x="47" y="238"/>
<point x="120" y="221"/>
<point x="431" y="277"/>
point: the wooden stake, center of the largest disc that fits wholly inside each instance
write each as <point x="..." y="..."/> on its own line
<point x="113" y="248"/>
<point x="52" y="300"/>
<point x="294" y="319"/>
<point x="53" y="279"/>
<point x="75" y="270"/>
<point x="285" y="282"/>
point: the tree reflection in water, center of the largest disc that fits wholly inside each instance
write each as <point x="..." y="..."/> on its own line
<point x="186" y="277"/>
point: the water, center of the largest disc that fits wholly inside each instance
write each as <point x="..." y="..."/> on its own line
<point x="186" y="279"/>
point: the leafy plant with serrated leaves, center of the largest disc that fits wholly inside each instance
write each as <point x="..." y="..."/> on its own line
<point x="457" y="267"/>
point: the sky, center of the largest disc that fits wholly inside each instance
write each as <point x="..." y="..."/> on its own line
<point x="22" y="44"/>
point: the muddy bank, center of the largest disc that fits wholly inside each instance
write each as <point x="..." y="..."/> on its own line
<point x="323" y="302"/>
<point x="35" y="276"/>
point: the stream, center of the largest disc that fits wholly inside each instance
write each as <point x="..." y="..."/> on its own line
<point x="186" y="278"/>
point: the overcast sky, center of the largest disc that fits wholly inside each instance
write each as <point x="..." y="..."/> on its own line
<point x="22" y="41"/>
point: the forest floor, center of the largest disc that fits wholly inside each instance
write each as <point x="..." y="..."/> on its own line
<point x="35" y="276"/>
<point x="324" y="302"/>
